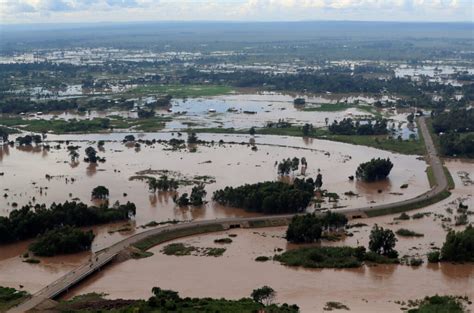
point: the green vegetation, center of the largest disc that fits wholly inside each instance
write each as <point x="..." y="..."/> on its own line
<point x="349" y="127"/>
<point x="64" y="240"/>
<point x="439" y="304"/>
<point x="10" y="297"/>
<point x="178" y="249"/>
<point x="183" y="91"/>
<point x="408" y="233"/>
<point x="382" y="241"/>
<point x="85" y="126"/>
<point x="181" y="249"/>
<point x="223" y="240"/>
<point x="459" y="246"/>
<point x="449" y="178"/>
<point x="196" y="199"/>
<point x="415" y="147"/>
<point x="100" y="192"/>
<point x="455" y="132"/>
<point x="375" y="169"/>
<point x="333" y="305"/>
<point x="431" y="178"/>
<point x="268" y="197"/>
<point x="331" y="107"/>
<point x="323" y="257"/>
<point x="262" y="258"/>
<point x="434" y="256"/>
<point x="264" y="295"/>
<point x="164" y="301"/>
<point x="29" y="221"/>
<point x="308" y="228"/>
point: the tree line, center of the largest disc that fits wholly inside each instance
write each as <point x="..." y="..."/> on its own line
<point x="31" y="221"/>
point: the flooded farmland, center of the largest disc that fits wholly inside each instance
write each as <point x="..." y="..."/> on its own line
<point x="236" y="273"/>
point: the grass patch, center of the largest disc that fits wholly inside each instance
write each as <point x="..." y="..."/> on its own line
<point x="333" y="305"/>
<point x="431" y="178"/>
<point x="223" y="240"/>
<point x="139" y="254"/>
<point x="178" y="249"/>
<point x="320" y="257"/>
<point x="408" y="233"/>
<point x="449" y="178"/>
<point x="407" y="207"/>
<point x="85" y="126"/>
<point x="183" y="91"/>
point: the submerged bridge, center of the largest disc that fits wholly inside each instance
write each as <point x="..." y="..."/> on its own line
<point x="103" y="257"/>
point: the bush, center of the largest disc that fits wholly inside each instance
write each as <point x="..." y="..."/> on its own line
<point x="434" y="256"/>
<point x="322" y="257"/>
<point x="223" y="240"/>
<point x="262" y="258"/>
<point x="416" y="262"/>
<point x="408" y="233"/>
<point x="440" y="304"/>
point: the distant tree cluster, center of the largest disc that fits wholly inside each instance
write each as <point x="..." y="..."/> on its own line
<point x="349" y="127"/>
<point x="456" y="144"/>
<point x="268" y="197"/>
<point x="28" y="140"/>
<point x="375" y="169"/>
<point x="29" y="221"/>
<point x="63" y="240"/>
<point x="309" y="227"/>
<point x="20" y="105"/>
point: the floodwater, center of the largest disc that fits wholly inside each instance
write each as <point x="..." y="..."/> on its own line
<point x="25" y="181"/>
<point x="236" y="274"/>
<point x="265" y="106"/>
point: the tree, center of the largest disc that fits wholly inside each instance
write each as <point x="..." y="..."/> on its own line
<point x="73" y="154"/>
<point x="264" y="295"/>
<point x="91" y="154"/>
<point x="197" y="194"/>
<point x="192" y="138"/>
<point x="375" y="169"/>
<point x="459" y="246"/>
<point x="100" y="192"/>
<point x="284" y="167"/>
<point x="382" y="241"/>
<point x="252" y="131"/>
<point x="3" y="134"/>
<point x="319" y="181"/>
<point x="307" y="129"/>
<point x="304" y="229"/>
<point x="295" y="164"/>
<point x="129" y="138"/>
<point x="411" y="118"/>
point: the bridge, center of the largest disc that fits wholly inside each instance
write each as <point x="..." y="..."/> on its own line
<point x="103" y="257"/>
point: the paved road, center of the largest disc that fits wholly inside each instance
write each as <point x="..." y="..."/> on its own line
<point x="104" y="256"/>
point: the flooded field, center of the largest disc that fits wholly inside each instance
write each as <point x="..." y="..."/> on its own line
<point x="236" y="274"/>
<point x="25" y="181"/>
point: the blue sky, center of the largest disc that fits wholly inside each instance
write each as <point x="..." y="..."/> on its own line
<point x="60" y="11"/>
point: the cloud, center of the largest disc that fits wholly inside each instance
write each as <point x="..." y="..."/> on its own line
<point x="126" y="10"/>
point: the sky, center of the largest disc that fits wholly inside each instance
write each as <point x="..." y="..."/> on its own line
<point x="80" y="11"/>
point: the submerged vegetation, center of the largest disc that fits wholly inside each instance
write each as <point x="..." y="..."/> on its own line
<point x="268" y="197"/>
<point x="30" y="221"/>
<point x="64" y="240"/>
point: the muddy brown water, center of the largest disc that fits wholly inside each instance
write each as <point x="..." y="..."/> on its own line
<point x="236" y="274"/>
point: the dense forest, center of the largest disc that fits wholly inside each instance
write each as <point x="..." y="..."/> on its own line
<point x="455" y="130"/>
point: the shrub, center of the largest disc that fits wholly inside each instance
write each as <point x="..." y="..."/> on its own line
<point x="408" y="233"/>
<point x="433" y="256"/>
<point x="459" y="246"/>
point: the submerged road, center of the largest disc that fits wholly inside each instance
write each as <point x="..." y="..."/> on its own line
<point x="103" y="257"/>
